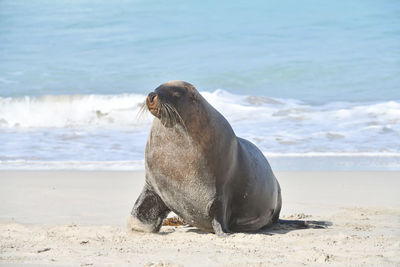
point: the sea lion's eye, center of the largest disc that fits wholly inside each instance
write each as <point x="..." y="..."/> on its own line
<point x="176" y="94"/>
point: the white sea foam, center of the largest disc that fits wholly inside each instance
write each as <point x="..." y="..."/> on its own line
<point x="80" y="130"/>
<point x="70" y="111"/>
<point x="106" y="110"/>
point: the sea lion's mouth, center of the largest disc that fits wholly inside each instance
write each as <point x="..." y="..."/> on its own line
<point x="155" y="111"/>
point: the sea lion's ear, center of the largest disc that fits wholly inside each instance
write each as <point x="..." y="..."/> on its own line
<point x="193" y="97"/>
<point x="192" y="92"/>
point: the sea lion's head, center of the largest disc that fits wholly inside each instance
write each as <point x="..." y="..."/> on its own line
<point x="172" y="101"/>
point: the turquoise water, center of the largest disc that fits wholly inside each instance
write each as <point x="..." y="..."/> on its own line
<point x="308" y="50"/>
<point x="72" y="74"/>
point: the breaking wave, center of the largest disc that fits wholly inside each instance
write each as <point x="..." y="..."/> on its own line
<point x="77" y="131"/>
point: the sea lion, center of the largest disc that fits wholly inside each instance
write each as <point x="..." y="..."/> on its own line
<point x="198" y="168"/>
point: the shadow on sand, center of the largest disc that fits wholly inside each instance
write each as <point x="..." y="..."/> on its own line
<point x="283" y="227"/>
<point x="286" y="226"/>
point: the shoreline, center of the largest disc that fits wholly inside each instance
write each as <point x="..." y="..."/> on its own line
<point x="302" y="162"/>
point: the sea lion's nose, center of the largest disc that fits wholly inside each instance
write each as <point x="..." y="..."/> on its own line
<point x="151" y="97"/>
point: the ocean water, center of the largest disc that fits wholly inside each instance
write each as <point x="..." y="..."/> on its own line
<point x="316" y="86"/>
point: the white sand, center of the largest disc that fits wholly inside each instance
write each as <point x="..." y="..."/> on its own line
<point x="77" y="219"/>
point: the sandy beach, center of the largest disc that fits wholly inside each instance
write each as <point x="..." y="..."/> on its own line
<point x="91" y="92"/>
<point x="77" y="218"/>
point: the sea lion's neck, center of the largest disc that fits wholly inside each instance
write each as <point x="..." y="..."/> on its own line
<point x="201" y="125"/>
<point x="208" y="129"/>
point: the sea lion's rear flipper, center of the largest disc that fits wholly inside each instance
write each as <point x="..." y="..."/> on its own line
<point x="300" y="224"/>
<point x="148" y="212"/>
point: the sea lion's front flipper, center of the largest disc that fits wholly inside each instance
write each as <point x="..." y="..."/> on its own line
<point x="217" y="211"/>
<point x="219" y="229"/>
<point x="148" y="212"/>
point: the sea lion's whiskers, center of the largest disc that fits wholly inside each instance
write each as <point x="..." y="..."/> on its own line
<point x="176" y="115"/>
<point x="171" y="114"/>
<point x="142" y="110"/>
<point x="165" y="115"/>
<point x="162" y="112"/>
<point x="169" y="118"/>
